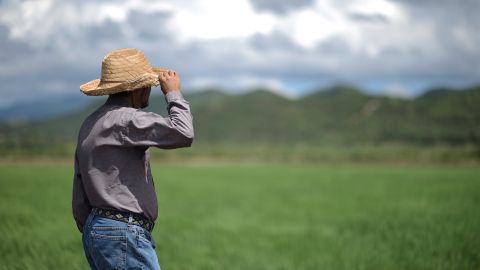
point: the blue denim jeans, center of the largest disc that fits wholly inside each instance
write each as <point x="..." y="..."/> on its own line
<point x="112" y="244"/>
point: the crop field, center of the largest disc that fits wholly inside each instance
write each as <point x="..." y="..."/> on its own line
<point x="264" y="216"/>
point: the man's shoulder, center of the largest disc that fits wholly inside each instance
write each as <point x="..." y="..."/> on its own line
<point x="117" y="115"/>
<point x="129" y="113"/>
<point x="106" y="113"/>
<point x="134" y="112"/>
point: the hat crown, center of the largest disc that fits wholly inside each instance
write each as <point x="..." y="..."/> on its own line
<point x="123" y="65"/>
<point x="123" y="70"/>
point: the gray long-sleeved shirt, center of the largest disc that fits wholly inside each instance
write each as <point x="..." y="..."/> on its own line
<point x="112" y="166"/>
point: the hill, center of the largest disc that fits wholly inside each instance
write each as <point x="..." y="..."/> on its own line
<point x="41" y="109"/>
<point x="342" y="117"/>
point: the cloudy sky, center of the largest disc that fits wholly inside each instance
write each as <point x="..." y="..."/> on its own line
<point x="397" y="47"/>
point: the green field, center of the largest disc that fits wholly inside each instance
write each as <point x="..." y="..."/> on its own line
<point x="264" y="217"/>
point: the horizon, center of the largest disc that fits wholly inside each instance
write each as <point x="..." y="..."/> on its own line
<point x="22" y="112"/>
<point x="237" y="92"/>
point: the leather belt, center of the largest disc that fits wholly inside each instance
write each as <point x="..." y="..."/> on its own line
<point x="136" y="218"/>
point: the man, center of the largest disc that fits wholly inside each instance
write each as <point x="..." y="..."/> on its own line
<point x="114" y="201"/>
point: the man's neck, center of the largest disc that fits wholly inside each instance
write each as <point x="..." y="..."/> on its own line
<point x="124" y="100"/>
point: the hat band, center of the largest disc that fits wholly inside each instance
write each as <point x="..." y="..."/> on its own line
<point x="117" y="81"/>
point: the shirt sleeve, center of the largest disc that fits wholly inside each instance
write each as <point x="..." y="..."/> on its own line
<point x="150" y="129"/>
<point x="80" y="204"/>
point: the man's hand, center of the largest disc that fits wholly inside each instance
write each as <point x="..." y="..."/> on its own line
<point x="169" y="81"/>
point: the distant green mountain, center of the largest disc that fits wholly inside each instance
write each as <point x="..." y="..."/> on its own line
<point x="341" y="116"/>
<point x="41" y="108"/>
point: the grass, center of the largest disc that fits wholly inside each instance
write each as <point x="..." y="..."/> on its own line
<point x="298" y="152"/>
<point x="264" y="217"/>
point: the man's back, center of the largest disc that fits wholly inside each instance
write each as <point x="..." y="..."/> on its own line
<point x="112" y="156"/>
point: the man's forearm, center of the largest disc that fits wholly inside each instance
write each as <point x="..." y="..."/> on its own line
<point x="179" y="113"/>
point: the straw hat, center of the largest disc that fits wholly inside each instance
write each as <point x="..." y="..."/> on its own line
<point x="123" y="70"/>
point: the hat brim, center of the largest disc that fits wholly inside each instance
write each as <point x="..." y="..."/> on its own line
<point x="99" y="88"/>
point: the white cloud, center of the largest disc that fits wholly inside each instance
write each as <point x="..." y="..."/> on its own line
<point x="220" y="19"/>
<point x="376" y="7"/>
<point x="235" y="44"/>
<point x="201" y="19"/>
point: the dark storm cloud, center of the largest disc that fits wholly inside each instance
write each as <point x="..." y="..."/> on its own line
<point x="10" y="49"/>
<point x="275" y="41"/>
<point x="280" y="6"/>
<point x="34" y="71"/>
<point x="104" y="32"/>
<point x="455" y="27"/>
<point x="71" y="58"/>
<point x="336" y="45"/>
<point x="445" y="14"/>
<point x="150" y="26"/>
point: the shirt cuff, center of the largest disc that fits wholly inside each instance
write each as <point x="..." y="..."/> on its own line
<point x="173" y="95"/>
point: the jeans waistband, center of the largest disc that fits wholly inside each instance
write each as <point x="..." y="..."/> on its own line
<point x="128" y="217"/>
